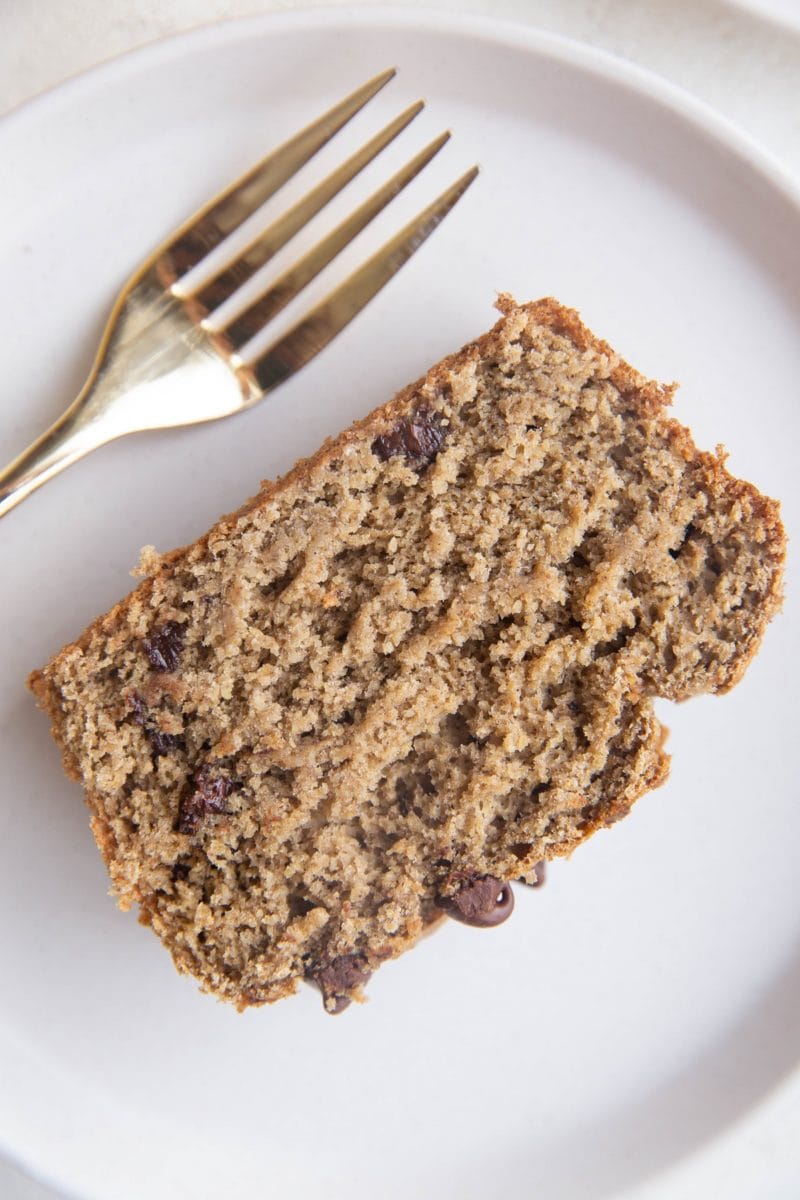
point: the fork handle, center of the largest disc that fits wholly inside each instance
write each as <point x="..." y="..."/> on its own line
<point x="72" y="436"/>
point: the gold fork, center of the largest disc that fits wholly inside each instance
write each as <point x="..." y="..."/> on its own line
<point x="164" y="360"/>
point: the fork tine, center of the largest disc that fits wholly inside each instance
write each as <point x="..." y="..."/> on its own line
<point x="331" y="315"/>
<point x="247" y="324"/>
<point x="212" y="223"/>
<point x="261" y="249"/>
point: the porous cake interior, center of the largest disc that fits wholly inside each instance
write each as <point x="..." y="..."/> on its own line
<point x="429" y="652"/>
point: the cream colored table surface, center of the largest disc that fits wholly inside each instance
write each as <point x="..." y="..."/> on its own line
<point x="740" y="56"/>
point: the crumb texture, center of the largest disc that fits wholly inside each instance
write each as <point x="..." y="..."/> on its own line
<point x="425" y="656"/>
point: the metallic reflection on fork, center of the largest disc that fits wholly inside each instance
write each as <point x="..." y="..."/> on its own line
<point x="166" y="359"/>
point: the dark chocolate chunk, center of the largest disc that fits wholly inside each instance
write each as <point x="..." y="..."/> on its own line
<point x="180" y="870"/>
<point x="483" y="901"/>
<point x="207" y="794"/>
<point x="536" y="877"/>
<point x="164" y="647"/>
<point x="687" y="533"/>
<point x="419" y="437"/>
<point x="339" y="977"/>
<point x="162" y="743"/>
<point x="300" y="905"/>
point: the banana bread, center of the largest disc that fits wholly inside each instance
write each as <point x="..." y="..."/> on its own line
<point x="415" y="667"/>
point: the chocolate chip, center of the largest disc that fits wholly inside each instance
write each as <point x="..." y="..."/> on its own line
<point x="162" y="743"/>
<point x="419" y="437"/>
<point x="207" y="795"/>
<point x="483" y="901"/>
<point x="299" y="906"/>
<point x="180" y="870"/>
<point x="338" y="978"/>
<point x="687" y="533"/>
<point x="536" y="877"/>
<point x="164" y="647"/>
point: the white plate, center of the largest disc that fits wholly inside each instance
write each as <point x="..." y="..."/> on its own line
<point x="648" y="998"/>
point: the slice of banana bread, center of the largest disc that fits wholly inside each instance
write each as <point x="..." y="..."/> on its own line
<point x="415" y="667"/>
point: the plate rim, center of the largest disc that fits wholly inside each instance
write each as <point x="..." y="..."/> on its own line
<point x="635" y="79"/>
<point x="502" y="31"/>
